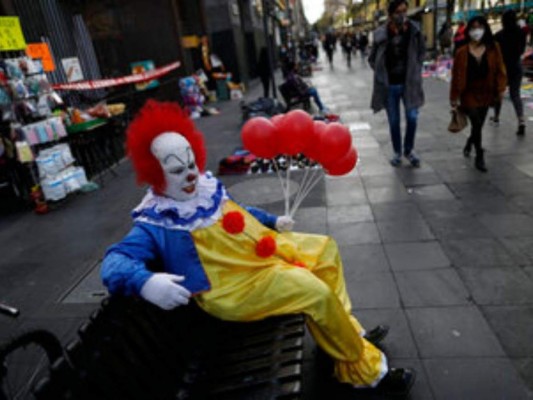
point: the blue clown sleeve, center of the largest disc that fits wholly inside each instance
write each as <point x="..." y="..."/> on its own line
<point x="267" y="219"/>
<point x="124" y="269"/>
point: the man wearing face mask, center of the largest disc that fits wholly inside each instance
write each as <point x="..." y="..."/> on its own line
<point x="237" y="263"/>
<point x="396" y="58"/>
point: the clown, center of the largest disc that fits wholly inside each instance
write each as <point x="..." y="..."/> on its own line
<point x="237" y="263"/>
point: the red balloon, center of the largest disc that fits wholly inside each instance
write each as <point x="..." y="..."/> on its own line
<point x="259" y="137"/>
<point x="276" y="119"/>
<point x="343" y="165"/>
<point x="314" y="150"/>
<point x="295" y="132"/>
<point x="334" y="143"/>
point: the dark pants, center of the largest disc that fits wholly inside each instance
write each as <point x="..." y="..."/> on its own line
<point x="514" y="80"/>
<point x="477" y="119"/>
<point x="329" y="53"/>
<point x="395" y="95"/>
<point x="265" y="80"/>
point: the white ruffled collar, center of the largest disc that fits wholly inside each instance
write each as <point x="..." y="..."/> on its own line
<point x="186" y="215"/>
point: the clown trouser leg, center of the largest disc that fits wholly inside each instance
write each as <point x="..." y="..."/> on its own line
<point x="319" y="292"/>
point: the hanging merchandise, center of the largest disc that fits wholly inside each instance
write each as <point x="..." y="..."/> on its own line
<point x="28" y="100"/>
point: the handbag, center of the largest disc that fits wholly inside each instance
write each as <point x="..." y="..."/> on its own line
<point x="458" y="122"/>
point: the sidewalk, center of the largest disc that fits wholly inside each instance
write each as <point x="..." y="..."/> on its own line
<point x="443" y="254"/>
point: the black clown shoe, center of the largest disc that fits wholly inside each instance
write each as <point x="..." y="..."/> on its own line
<point x="377" y="334"/>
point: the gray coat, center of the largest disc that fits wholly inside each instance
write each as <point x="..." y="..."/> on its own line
<point x="414" y="94"/>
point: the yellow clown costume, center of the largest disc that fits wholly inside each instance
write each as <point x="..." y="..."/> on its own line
<point x="243" y="270"/>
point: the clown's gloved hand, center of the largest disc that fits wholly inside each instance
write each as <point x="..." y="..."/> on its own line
<point x="164" y="291"/>
<point x="284" y="223"/>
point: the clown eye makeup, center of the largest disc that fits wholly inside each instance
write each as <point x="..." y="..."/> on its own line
<point x="177" y="170"/>
<point x="192" y="165"/>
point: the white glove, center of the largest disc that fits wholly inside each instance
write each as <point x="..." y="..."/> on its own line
<point x="284" y="223"/>
<point x="163" y="291"/>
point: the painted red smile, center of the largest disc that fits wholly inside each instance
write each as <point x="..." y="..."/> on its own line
<point x="189" y="189"/>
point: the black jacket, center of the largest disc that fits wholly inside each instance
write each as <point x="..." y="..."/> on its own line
<point x="512" y="44"/>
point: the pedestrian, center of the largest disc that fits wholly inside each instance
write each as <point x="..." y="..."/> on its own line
<point x="396" y="58"/>
<point x="512" y="41"/>
<point x="363" y="44"/>
<point x="296" y="84"/>
<point x="478" y="82"/>
<point x="264" y="71"/>
<point x="445" y="37"/>
<point x="459" y="38"/>
<point x="330" y="42"/>
<point x="348" y="41"/>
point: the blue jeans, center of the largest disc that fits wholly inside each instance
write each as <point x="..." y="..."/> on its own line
<point x="396" y="93"/>
<point x="314" y="94"/>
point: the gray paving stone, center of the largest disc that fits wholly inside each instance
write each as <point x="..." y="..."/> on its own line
<point x="452" y="332"/>
<point x="529" y="271"/>
<point x="514" y="327"/>
<point x="347" y="214"/>
<point x="411" y="230"/>
<point x="311" y="220"/>
<point x="416" y="256"/>
<point x="524" y="203"/>
<point x="466" y="173"/>
<point x="387" y="194"/>
<point x="355" y="233"/>
<point x="373" y="290"/>
<point x="344" y="192"/>
<point x="441" y="287"/>
<point x="443" y="209"/>
<point x="424" y="193"/>
<point x="508" y="225"/>
<point x="513" y="187"/>
<point x="499" y="286"/>
<point x="458" y="227"/>
<point x="364" y="258"/>
<point x="395" y="211"/>
<point x="390" y="179"/>
<point x="399" y="342"/>
<point x="524" y="366"/>
<point x="490" y="205"/>
<point x="474" y="378"/>
<point x="477" y="253"/>
<point x="521" y="248"/>
<point x="476" y="190"/>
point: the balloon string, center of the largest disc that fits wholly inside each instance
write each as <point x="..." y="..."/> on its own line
<point x="283" y="189"/>
<point x="303" y="182"/>
<point x="288" y="186"/>
<point x="307" y="191"/>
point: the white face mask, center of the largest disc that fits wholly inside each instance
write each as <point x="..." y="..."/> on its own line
<point x="177" y="160"/>
<point x="476" y="34"/>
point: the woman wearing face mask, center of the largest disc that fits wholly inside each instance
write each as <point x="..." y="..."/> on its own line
<point x="396" y="58"/>
<point x="478" y="81"/>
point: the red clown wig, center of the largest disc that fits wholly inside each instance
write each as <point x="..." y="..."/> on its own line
<point x="153" y="119"/>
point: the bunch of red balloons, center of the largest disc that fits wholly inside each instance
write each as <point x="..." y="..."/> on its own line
<point x="296" y="132"/>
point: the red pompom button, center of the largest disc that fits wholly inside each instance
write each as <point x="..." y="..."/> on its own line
<point x="265" y="247"/>
<point x="233" y="222"/>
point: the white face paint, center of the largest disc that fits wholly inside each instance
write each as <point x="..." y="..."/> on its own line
<point x="179" y="166"/>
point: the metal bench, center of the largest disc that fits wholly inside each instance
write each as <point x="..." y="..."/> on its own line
<point x="130" y="349"/>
